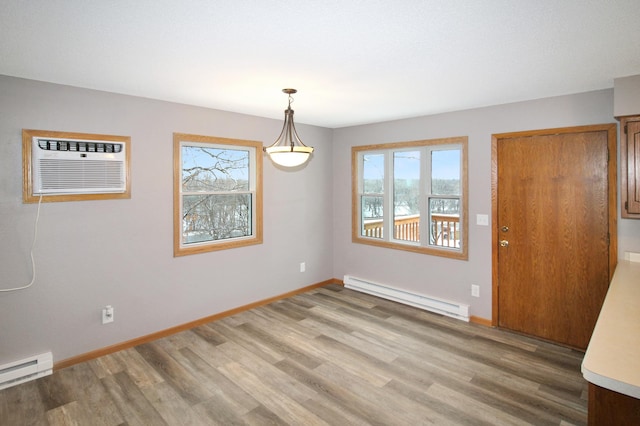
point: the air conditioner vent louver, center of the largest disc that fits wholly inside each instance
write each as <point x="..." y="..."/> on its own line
<point x="73" y="166"/>
<point x="87" y="174"/>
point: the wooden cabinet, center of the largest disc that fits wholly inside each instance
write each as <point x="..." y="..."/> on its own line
<point x="610" y="364"/>
<point x="607" y="407"/>
<point x="630" y="162"/>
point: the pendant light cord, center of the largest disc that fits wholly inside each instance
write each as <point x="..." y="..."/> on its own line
<point x="33" y="262"/>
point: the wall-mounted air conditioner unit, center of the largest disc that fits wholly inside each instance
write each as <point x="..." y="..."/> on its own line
<point x="72" y="166"/>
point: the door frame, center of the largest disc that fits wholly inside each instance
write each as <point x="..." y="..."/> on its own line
<point x="612" y="174"/>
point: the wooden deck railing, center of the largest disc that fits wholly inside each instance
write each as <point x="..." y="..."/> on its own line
<point x="407" y="228"/>
<point x="445" y="229"/>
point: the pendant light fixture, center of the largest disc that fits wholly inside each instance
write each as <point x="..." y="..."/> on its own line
<point x="288" y="150"/>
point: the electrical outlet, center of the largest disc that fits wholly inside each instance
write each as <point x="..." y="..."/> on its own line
<point x="303" y="266"/>
<point x="107" y="314"/>
<point x="475" y="290"/>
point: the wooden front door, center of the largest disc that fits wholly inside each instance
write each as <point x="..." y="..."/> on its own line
<point x="555" y="230"/>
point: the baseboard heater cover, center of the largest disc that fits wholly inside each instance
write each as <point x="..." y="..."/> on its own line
<point x="24" y="370"/>
<point x="444" y="307"/>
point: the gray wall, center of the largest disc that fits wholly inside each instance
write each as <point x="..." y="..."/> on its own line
<point x="441" y="277"/>
<point x="626" y="96"/>
<point x="120" y="252"/>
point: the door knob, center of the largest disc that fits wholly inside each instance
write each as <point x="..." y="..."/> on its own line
<point x="504" y="228"/>
<point x="504" y="243"/>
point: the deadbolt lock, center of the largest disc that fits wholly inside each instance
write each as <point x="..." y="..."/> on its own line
<point x="504" y="243"/>
<point x="504" y="228"/>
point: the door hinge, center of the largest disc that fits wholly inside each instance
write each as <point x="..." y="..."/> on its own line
<point x="626" y="205"/>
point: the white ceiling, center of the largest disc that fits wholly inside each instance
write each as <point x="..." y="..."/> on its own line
<point x="352" y="61"/>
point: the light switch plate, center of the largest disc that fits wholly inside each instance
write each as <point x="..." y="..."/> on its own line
<point x="482" y="219"/>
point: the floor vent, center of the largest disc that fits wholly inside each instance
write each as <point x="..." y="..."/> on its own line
<point x="444" y="307"/>
<point x="26" y="369"/>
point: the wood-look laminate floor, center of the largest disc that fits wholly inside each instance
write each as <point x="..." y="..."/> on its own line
<point x="329" y="356"/>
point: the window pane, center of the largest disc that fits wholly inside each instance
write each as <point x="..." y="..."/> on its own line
<point x="406" y="195"/>
<point x="208" y="169"/>
<point x="445" y="172"/>
<point x="444" y="221"/>
<point x="372" y="213"/>
<point x="215" y="217"/>
<point x="373" y="173"/>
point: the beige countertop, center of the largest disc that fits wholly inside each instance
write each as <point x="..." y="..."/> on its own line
<point x="612" y="359"/>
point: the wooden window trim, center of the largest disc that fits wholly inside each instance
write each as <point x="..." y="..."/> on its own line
<point x="178" y="248"/>
<point x="463" y="252"/>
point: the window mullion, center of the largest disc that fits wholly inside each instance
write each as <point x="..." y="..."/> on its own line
<point x="425" y="192"/>
<point x="388" y="215"/>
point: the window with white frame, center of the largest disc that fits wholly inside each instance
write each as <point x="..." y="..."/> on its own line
<point x="217" y="193"/>
<point x="412" y="196"/>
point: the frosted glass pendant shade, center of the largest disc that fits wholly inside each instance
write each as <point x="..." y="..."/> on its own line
<point x="288" y="150"/>
<point x="289" y="157"/>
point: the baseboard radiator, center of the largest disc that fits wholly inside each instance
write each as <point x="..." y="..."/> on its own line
<point x="444" y="307"/>
<point x="31" y="368"/>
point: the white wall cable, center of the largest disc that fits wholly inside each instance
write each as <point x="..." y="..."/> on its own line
<point x="33" y="262"/>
